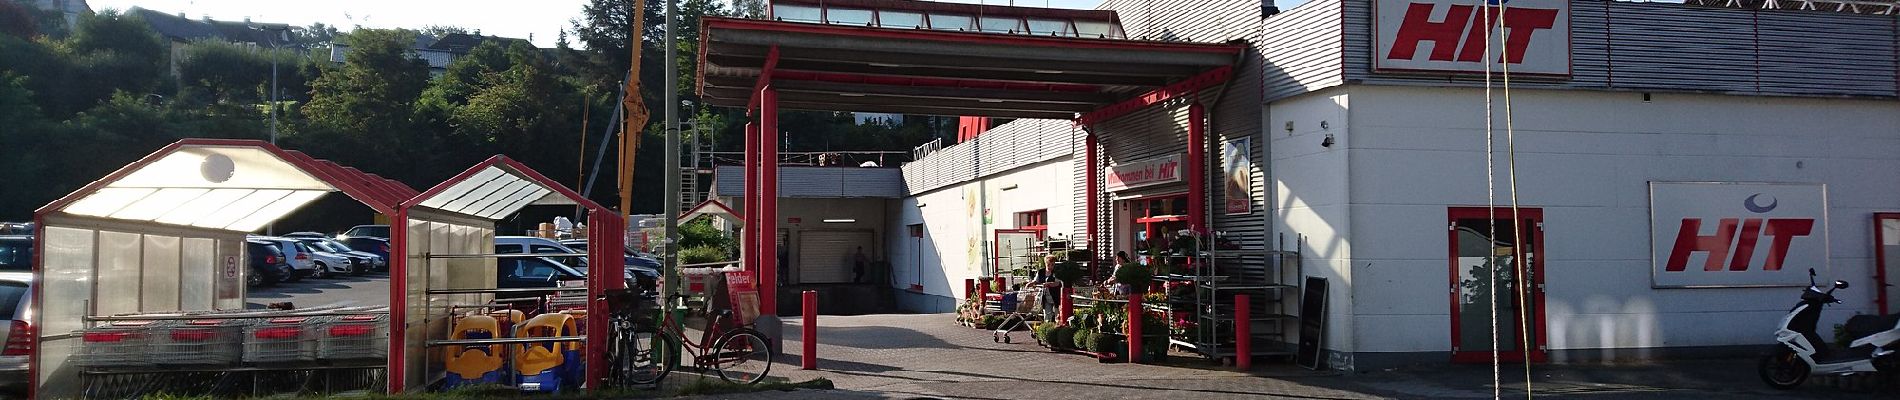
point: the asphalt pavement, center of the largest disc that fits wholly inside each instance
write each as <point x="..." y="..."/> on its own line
<point x="355" y="290"/>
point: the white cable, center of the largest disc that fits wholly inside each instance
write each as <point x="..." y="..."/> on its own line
<point x="1517" y="240"/>
<point x="1491" y="211"/>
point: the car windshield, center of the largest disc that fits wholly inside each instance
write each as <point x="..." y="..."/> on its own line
<point x="370" y="231"/>
<point x="11" y="293"/>
<point x="16" y="255"/>
<point x="321" y="246"/>
<point x="334" y="245"/>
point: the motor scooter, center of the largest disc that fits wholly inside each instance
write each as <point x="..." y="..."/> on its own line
<point x="1802" y="352"/>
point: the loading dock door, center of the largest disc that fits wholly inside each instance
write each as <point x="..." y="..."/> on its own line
<point x="826" y="256"/>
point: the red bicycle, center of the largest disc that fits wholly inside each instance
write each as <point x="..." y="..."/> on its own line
<point x="644" y="352"/>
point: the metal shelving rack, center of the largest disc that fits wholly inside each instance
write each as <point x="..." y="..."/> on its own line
<point x="1220" y="276"/>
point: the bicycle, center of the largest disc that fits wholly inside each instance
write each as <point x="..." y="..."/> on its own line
<point x="642" y="350"/>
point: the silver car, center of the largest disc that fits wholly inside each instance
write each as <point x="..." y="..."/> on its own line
<point x="16" y="294"/>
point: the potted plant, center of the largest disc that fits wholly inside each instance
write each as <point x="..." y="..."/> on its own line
<point x="1135" y="275"/>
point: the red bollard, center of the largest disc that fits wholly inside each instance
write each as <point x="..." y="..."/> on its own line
<point x="969" y="287"/>
<point x="1243" y="333"/>
<point x="1068" y="306"/>
<point x="1134" y="327"/>
<point x="810" y="339"/>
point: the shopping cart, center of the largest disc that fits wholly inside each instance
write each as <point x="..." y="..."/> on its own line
<point x="123" y="344"/>
<point x="204" y="342"/>
<point x="1012" y="307"/>
<point x="355" y="337"/>
<point x="283" y="339"/>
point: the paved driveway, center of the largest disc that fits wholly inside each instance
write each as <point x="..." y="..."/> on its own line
<point x="927" y="356"/>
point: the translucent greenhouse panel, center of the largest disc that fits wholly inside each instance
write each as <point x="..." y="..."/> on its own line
<point x="67" y="287"/>
<point x="118" y="274"/>
<point x="222" y="167"/>
<point x="231" y="290"/>
<point x="157" y="204"/>
<point x="196" y="258"/>
<point x="419" y="359"/>
<point x="191" y="212"/>
<point x="276" y="210"/>
<point x="241" y="208"/>
<point x="107" y="201"/>
<point x="463" y="188"/>
<point x="160" y="282"/>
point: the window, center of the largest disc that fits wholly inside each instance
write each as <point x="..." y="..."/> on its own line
<point x="1154" y="222"/>
<point x="797" y="13"/>
<point x="1048" y="27"/>
<point x="11" y="294"/>
<point x="1033" y="220"/>
<point x="848" y="16"/>
<point x="916" y="230"/>
<point x="951" y="22"/>
<point x="900" y="19"/>
<point x="1002" y="25"/>
<point x="1098" y="29"/>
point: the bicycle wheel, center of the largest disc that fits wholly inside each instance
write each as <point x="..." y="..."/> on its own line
<point x="648" y="357"/>
<point x="743" y="356"/>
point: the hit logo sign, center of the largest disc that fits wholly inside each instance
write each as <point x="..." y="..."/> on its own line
<point x="1736" y="234"/>
<point x="1452" y="35"/>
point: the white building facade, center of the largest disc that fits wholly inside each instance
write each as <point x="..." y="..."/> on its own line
<point x="1677" y="170"/>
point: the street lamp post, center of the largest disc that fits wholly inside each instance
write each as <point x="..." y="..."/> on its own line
<point x="274" y="97"/>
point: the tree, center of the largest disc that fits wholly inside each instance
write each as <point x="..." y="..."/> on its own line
<point x="438" y="31"/>
<point x="315" y="35"/>
<point x="16" y="20"/>
<point x="364" y="109"/>
<point x="225" y="70"/>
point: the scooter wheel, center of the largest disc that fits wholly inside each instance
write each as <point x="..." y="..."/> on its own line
<point x="1783" y="369"/>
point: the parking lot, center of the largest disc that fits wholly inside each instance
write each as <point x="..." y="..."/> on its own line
<point x="351" y="290"/>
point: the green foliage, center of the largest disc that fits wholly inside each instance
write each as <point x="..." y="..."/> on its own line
<point x="1062" y="337"/>
<point x="1083" y="339"/>
<point x="1069" y="272"/>
<point x="226" y="71"/>
<point x="1135" y="275"/>
<point x="1107" y="343"/>
<point x="701" y="233"/>
<point x="17" y="20"/>
<point x="702" y="255"/>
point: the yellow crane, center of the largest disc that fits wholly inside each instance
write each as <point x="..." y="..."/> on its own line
<point x="635" y="109"/>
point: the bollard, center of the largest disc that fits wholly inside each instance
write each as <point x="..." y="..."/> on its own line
<point x="1068" y="306"/>
<point x="969" y="287"/>
<point x="1133" y="325"/>
<point x="1243" y="333"/>
<point x="809" y="360"/>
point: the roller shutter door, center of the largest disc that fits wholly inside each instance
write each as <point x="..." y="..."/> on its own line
<point x="825" y="256"/>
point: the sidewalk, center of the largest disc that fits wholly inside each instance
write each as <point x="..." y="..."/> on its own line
<point x="927" y="356"/>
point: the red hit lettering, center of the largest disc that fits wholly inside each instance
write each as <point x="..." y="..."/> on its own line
<point x="1418" y="27"/>
<point x="1688" y="242"/>
<point x="1784" y="231"/>
<point x="1521" y="23"/>
<point x="1745" y="245"/>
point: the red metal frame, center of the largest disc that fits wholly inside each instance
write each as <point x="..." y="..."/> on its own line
<point x="709" y="24"/>
<point x="1528" y="219"/>
<point x="380" y="194"/>
<point x="751" y="260"/>
<point x="1093" y="197"/>
<point x="768" y="200"/>
<point x="1880" y="262"/>
<point x="765" y="76"/>
<point x="1197" y="167"/>
<point x="1175" y="90"/>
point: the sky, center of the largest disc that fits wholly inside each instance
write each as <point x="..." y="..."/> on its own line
<point x="541" y="19"/>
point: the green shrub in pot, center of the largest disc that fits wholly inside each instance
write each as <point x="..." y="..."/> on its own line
<point x="1135" y="275"/>
<point x="1084" y="339"/>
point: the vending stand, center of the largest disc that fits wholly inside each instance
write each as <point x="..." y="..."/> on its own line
<point x="141" y="278"/>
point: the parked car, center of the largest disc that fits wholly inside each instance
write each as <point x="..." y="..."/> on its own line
<point x="372" y="261"/>
<point x="353" y="263"/>
<point x="640" y="273"/>
<point x="16" y="253"/>
<point x="268" y="264"/>
<point x="306" y="235"/>
<point x="300" y="256"/>
<point x="376" y="246"/>
<point x="16" y="295"/>
<point x="374" y="231"/>
<point x="533" y="273"/>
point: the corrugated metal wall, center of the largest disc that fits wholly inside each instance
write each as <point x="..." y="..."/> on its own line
<point x="1629" y="46"/>
<point x="1009" y="146"/>
<point x="1233" y="111"/>
<point x="817" y="182"/>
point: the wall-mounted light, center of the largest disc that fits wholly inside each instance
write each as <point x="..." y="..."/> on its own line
<point x="1289" y="126"/>
<point x="921" y="205"/>
<point x="1010" y="187"/>
<point x="840" y="221"/>
<point x="1325" y="125"/>
<point x="1327" y="142"/>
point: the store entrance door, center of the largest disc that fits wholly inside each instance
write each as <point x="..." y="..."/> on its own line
<point x="1518" y="284"/>
<point x="1887" y="261"/>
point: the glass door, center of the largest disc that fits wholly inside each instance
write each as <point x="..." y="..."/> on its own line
<point x="1485" y="265"/>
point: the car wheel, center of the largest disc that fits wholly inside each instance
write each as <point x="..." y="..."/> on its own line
<point x="254" y="279"/>
<point x="293" y="276"/>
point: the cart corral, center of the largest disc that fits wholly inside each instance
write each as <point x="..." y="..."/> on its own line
<point x="142" y="278"/>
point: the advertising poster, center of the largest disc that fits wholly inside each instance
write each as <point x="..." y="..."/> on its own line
<point x="1237" y="166"/>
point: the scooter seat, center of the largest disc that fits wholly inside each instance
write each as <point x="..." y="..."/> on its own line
<point x="1860" y="326"/>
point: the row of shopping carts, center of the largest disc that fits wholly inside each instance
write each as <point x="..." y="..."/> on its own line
<point x="228" y="339"/>
<point x="500" y="346"/>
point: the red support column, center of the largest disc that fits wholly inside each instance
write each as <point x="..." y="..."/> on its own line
<point x="768" y="201"/>
<point x="809" y="359"/>
<point x="1092" y="189"/>
<point x="750" y="200"/>
<point x="1197" y="168"/>
<point x="1243" y="333"/>
<point x="1133" y="326"/>
<point x="1068" y="305"/>
<point x="969" y="287"/>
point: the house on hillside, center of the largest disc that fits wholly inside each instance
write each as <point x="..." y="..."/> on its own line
<point x="179" y="31"/>
<point x="70" y="10"/>
<point x="438" y="52"/>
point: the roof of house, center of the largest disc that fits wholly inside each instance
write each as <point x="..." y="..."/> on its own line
<point x="460" y="43"/>
<point x="818" y="182"/>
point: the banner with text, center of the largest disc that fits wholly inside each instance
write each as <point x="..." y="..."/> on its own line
<point x="1149" y="172"/>
<point x="1736" y="234"/>
<point x="1452" y="35"/>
